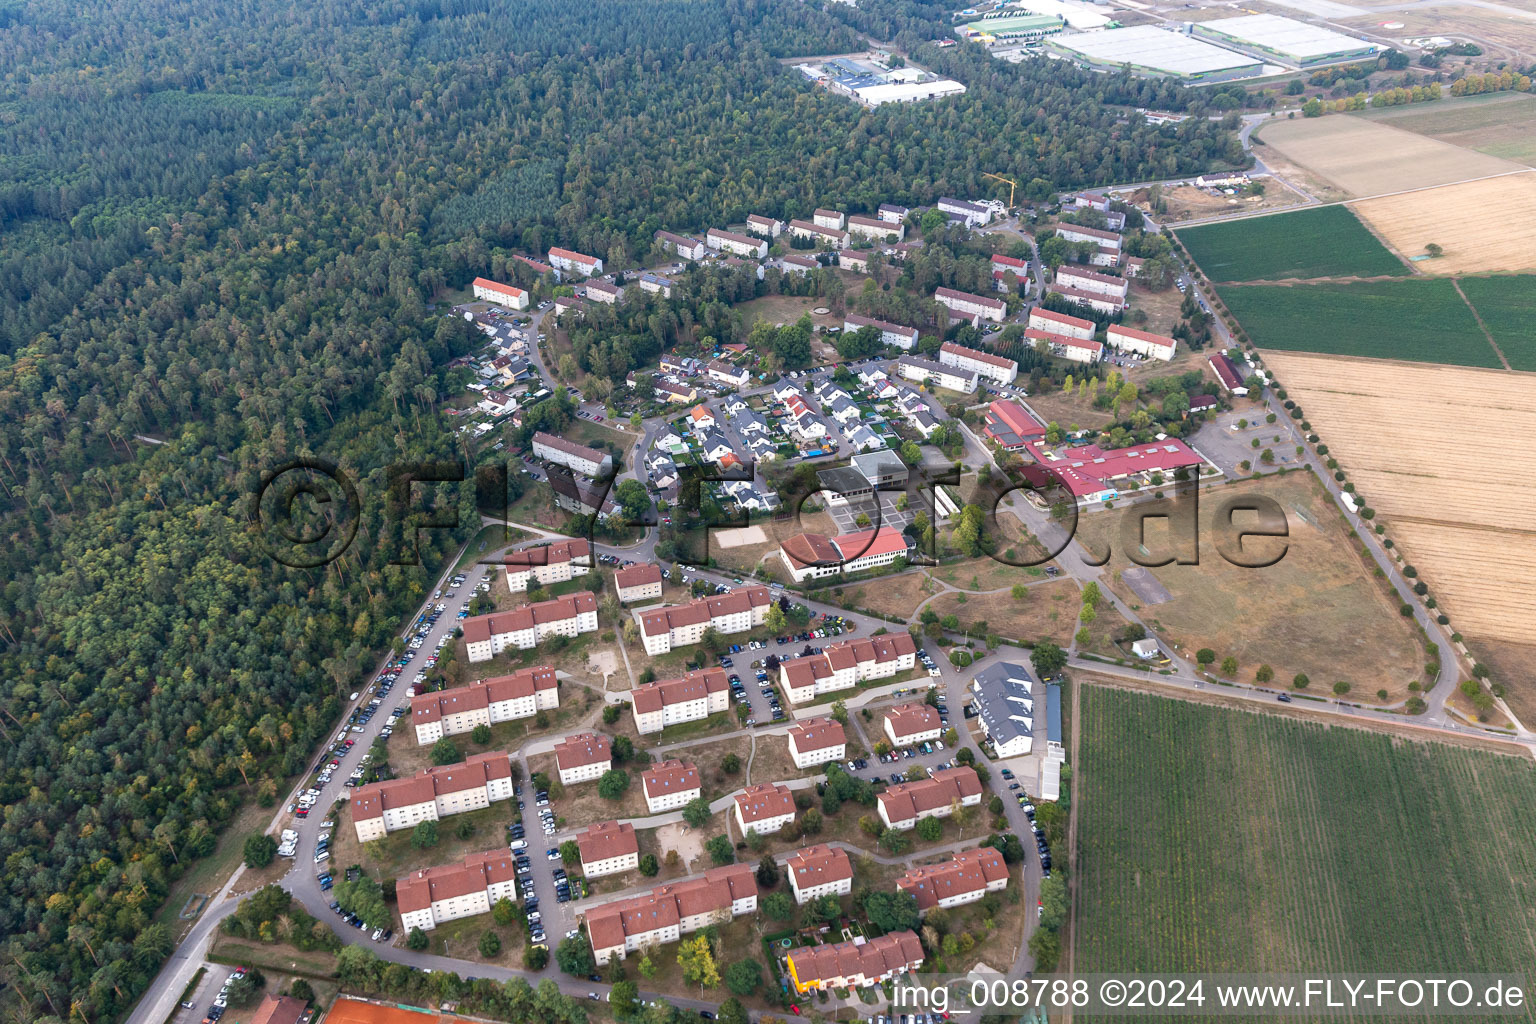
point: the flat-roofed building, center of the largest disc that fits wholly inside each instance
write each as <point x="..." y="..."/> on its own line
<point x="486" y="636"/>
<point x="741" y="245"/>
<point x="816" y="741"/>
<point x="670" y="785"/>
<point x="638" y="582"/>
<point x="576" y="457"/>
<point x="506" y="295"/>
<point x="487" y="702"/>
<point x="818" y="871"/>
<point x="549" y="563"/>
<point x="682" y="625"/>
<point x="668" y="912"/>
<point x="845" y="664"/>
<point x="890" y="334"/>
<point x="971" y="307"/>
<point x="575" y="262"/>
<point x="583" y="757"/>
<point x="996" y="368"/>
<point x="857" y="963"/>
<point x="431" y="794"/>
<point x="1154" y="51"/>
<point x="1153" y="346"/>
<point x="1286" y="40"/>
<point x="964" y="878"/>
<point x="608" y="848"/>
<point x="687" y="698"/>
<point x="1003" y="694"/>
<point x="434" y="896"/>
<point x="912" y="723"/>
<point x="902" y="806"/>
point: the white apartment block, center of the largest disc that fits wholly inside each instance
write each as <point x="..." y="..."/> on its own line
<point x="819" y="871"/>
<point x="688" y="698"/>
<point x="765" y="225"/>
<point x="907" y="724"/>
<point x="891" y="213"/>
<point x="815" y="741"/>
<point x="670" y="785"/>
<point x="434" y="896"/>
<point x="487" y="702"/>
<point x="506" y="295"/>
<point x="1153" y="346"/>
<point x="834" y="237"/>
<point x="683" y="246"/>
<point x="964" y="878"/>
<point x="608" y="848"/>
<point x="975" y="214"/>
<point x="668" y="912"/>
<point x="876" y="229"/>
<point x="639" y="582"/>
<point x="550" y="563"/>
<point x="583" y="758"/>
<point x="431" y="794"/>
<point x="575" y="262"/>
<point x="890" y="334"/>
<point x="1096" y="301"/>
<point x="829" y="219"/>
<point x="971" y="306"/>
<point x="1041" y="319"/>
<point x="1091" y="281"/>
<point x="995" y="368"/>
<point x="765" y="808"/>
<point x="903" y="805"/>
<point x="846" y="664"/>
<point x="486" y="636"/>
<point x="1074" y="350"/>
<point x="576" y="457"/>
<point x="1098" y="236"/>
<point x="602" y="291"/>
<point x="951" y="378"/>
<point x="682" y="625"/>
<point x="741" y="245"/>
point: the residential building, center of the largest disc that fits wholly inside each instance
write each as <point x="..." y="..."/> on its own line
<point x="608" y="848"/>
<point x="670" y="785"/>
<point x="816" y="741"/>
<point x="903" y="805"/>
<point x="1092" y="473"/>
<point x="682" y="245"/>
<point x="1065" y="347"/>
<point x="857" y="963"/>
<point x="1041" y="319"/>
<point x="828" y="219"/>
<point x="687" y="698"/>
<point x="845" y="664"/>
<point x="602" y="291"/>
<point x="279" y="1010"/>
<point x="577" y="457"/>
<point x="583" y="757"/>
<point x="1002" y="266"/>
<point x="964" y="878"/>
<point x="639" y="582"/>
<point x="818" y="871"/>
<point x="851" y="259"/>
<point x="996" y="368"/>
<point x="565" y="304"/>
<point x="580" y="496"/>
<point x="1153" y="346"/>
<point x="973" y="214"/>
<point x="539" y="266"/>
<point x="1095" y="301"/>
<point x="890" y="334"/>
<point x="486" y="636"/>
<point x="700" y="419"/>
<point x="434" y="896"/>
<point x="432" y="793"/>
<point x="1134" y="266"/>
<point x="492" y="701"/>
<point x="891" y="213"/>
<point x="681" y="625"/>
<point x="656" y="284"/>
<point x="971" y="307"/>
<point x="1005" y="705"/>
<point x="1010" y="425"/>
<point x="951" y="378"/>
<point x="726" y="373"/>
<point x="1082" y="280"/>
<point x="575" y="262"/>
<point x="769" y="226"/>
<point x="765" y="808"/>
<point x="909" y="724"/>
<point x="1228" y="374"/>
<point x="835" y="237"/>
<point x="875" y="228"/>
<point x="668" y="912"/>
<point x="741" y="245"/>
<point x="1098" y="236"/>
<point x="506" y="295"/>
<point x="546" y="564"/>
<point x="672" y="391"/>
<point x="794" y="263"/>
<point x="812" y="555"/>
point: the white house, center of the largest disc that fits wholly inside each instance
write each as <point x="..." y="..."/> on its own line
<point x="996" y="368"/>
<point x="768" y="226"/>
<point x="846" y="664"/>
<point x="506" y="295"/>
<point x="974" y="214"/>
<point x="964" y="878"/>
<point x="970" y="306"/>
<point x="902" y="805"/>
<point x="1091" y="281"/>
<point x="583" y="757"/>
<point x="664" y="629"/>
<point x="1153" y="346"/>
<point x="431" y="794"/>
<point x="818" y="871"/>
<point x="1003" y="695"/>
<point x="951" y="378"/>
<point x="576" y="457"/>
<point x="575" y="262"/>
<point x="876" y="229"/>
<point x="682" y="245"/>
<point x="816" y="741"/>
<point x="639" y="582"/>
<point x="547" y="564"/>
<point x="741" y="245"/>
<point x="765" y="808"/>
<point x="828" y="219"/>
<point x="1042" y="319"/>
<point x="890" y="334"/>
<point x="668" y="912"/>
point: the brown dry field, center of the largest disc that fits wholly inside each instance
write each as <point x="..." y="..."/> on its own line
<point x="1466" y="522"/>
<point x="1049" y="612"/>
<point x="1365" y="158"/>
<point x="1452" y="19"/>
<point x="889" y="595"/>
<point x="786" y="309"/>
<point x="1186" y="202"/>
<point x="1483" y="226"/>
<point x="1317" y="610"/>
<point x="1510" y="663"/>
<point x="1500" y="124"/>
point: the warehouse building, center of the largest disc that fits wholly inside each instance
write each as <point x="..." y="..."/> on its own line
<point x="1286" y="40"/>
<point x="1156" y="53"/>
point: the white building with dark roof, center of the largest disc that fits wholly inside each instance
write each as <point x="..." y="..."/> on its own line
<point x="1003" y="695"/>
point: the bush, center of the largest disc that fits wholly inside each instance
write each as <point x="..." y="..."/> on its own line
<point x="417" y="940"/>
<point x="444" y="751"/>
<point x="424" y="835"/>
<point x="613" y="784"/>
<point x="481" y="734"/>
<point x="1341" y="687"/>
<point x="649" y="865"/>
<point x="535" y="958"/>
<point x="490" y="945"/>
<point x="259" y="851"/>
<point x="1300" y="681"/>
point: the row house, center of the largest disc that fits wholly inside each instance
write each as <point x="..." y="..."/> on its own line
<point x="875" y="228"/>
<point x="909" y="724"/>
<point x="1153" y="346"/>
<point x="681" y="245"/>
<point x="434" y="896"/>
<point x="964" y="878"/>
<point x="903" y="805"/>
<point x="816" y="741"/>
<point x="687" y="698"/>
<point x="764" y="808"/>
<point x="670" y="785"/>
<point x="951" y="378"/>
<point x="741" y="245"/>
<point x="638" y="582"/>
<point x="819" y="871"/>
<point x="728" y="374"/>
<point x="834" y="237"/>
<point x="1091" y="281"/>
<point x="1042" y="319"/>
<point x="506" y="295"/>
<point x="890" y="334"/>
<point x="583" y="757"/>
<point x="576" y="457"/>
<point x="575" y="262"/>
<point x="547" y="564"/>
<point x="486" y="636"/>
<point x="487" y="702"/>
<point x="431" y="794"/>
<point x="814" y="555"/>
<point x="857" y="963"/>
<point x="996" y="368"/>
<point x="1074" y="350"/>
<point x="846" y="664"/>
<point x="668" y="912"/>
<point x="682" y="625"/>
<point x="971" y="307"/>
<point x="768" y="226"/>
<point x="608" y="848"/>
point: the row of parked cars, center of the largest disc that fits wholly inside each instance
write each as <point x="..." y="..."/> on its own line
<point x="379" y="934"/>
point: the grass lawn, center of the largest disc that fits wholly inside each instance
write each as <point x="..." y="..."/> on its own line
<point x="278" y="957"/>
<point x="1213" y="839"/>
<point x="1047" y="612"/>
<point x="891" y="595"/>
<point x="461" y="940"/>
<point x="1326" y="241"/>
<point x="713" y="779"/>
<point x="1422" y="320"/>
<point x="394" y="855"/>
<point x="581" y="805"/>
<point x="1507" y="306"/>
<point x="1317" y="610"/>
<point x="208" y="875"/>
<point x="983" y="573"/>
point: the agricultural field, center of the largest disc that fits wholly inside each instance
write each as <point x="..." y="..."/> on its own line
<point x="1327" y="241"/>
<point x="1417" y="319"/>
<point x="1482" y="226"/>
<point x="1507" y="306"/>
<point x="1366" y="158"/>
<point x="1317" y="610"/>
<point x="1501" y="124"/>
<point x="1283" y="845"/>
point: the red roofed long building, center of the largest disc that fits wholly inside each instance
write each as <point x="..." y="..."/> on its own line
<point x="608" y="848"/>
<point x="688" y="698"/>
<point x="501" y="294"/>
<point x="813" y="555"/>
<point x="816" y="741"/>
<point x="546" y="564"/>
<point x="680" y="625"/>
<point x="670" y="785"/>
<point x="431" y="794"/>
<point x="1010" y="425"/>
<point x="971" y="306"/>
<point x="486" y="636"/>
<point x="1091" y="473"/>
<point x="1078" y="350"/>
<point x="858" y="963"/>
<point x="819" y="871"/>
<point x="433" y="896"/>
<point x="638" y="582"/>
<point x="522" y="694"/>
<point x="846" y="664"/>
<point x="903" y="805"/>
<point x="1153" y="346"/>
<point x="583" y="757"/>
<point x="668" y="912"/>
<point x="1227" y="372"/>
<point x="995" y="368"/>
<point x="1042" y="319"/>
<point x="965" y="878"/>
<point x="576" y="457"/>
<point x="581" y="263"/>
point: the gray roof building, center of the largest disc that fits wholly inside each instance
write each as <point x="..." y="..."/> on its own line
<point x="1005" y="706"/>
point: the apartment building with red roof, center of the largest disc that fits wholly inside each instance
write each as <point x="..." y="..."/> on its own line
<point x="875" y="229"/>
<point x="813" y="555"/>
<point x="583" y="757"/>
<point x="638" y="582"/>
<point x="547" y="564"/>
<point x="670" y="785"/>
<point x="1153" y="346"/>
<point x="608" y="848"/>
<point x="815" y="741"/>
<point x="431" y="794"/>
<point x="506" y="295"/>
<point x="1042" y="319"/>
<point x="908" y="724"/>
<point x="1065" y="346"/>
<point x="857" y="963"/>
<point x="486" y="636"/>
<point x="903" y="805"/>
<point x="492" y="701"/>
<point x="664" y="629"/>
<point x="971" y="307"/>
<point x="741" y="245"/>
<point x="575" y="262"/>
<point x="996" y="368"/>
<point x="576" y="457"/>
<point x="765" y="807"/>
<point x="686" y="698"/>
<point x="668" y="912"/>
<point x="434" y="896"/>
<point x="845" y="664"/>
<point x="964" y="878"/>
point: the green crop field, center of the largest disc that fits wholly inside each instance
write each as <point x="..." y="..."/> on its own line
<point x="1422" y="319"/>
<point x="1327" y="241"/>
<point x="1508" y="308"/>
<point x="1217" y="840"/>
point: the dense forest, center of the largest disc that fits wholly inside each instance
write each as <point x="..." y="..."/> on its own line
<point x="222" y="229"/>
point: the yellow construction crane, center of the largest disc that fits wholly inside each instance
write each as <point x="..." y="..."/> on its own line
<point x="1007" y="181"/>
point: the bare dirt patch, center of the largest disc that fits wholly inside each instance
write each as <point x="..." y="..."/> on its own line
<point x="1482" y="226"/>
<point x="1048" y="611"/>
<point x="1366" y="158"/>
<point x="741" y="537"/>
<point x="688" y="842"/>
<point x="1186" y="202"/>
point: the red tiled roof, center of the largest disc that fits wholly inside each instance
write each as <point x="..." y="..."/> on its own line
<point x="666" y="905"/>
<point x="481" y="628"/>
<point x="371" y="801"/>
<point x="432" y="707"/>
<point x="581" y="750"/>
<point x="637" y="575"/>
<point x="810" y="549"/>
<point x="965" y="873"/>
<point x="697" y="685"/>
<point x="561" y="444"/>
<point x="818" y="865"/>
<point x="870" y="543"/>
<point x="1063" y="340"/>
<point x="817" y="734"/>
<point x="279" y="1010"/>
<point x="1062" y="318"/>
<point x="670" y="777"/>
<point x="911" y="719"/>
<point x="573" y="256"/>
<point x="548" y="554"/>
<point x="606" y="840"/>
<point x="1015" y="418"/>
<point x="1226" y="371"/>
<point x="1091" y="232"/>
<point x="731" y="236"/>
<point x="1089" y="275"/>
<point x="479" y="871"/>
<point x="871" y="958"/>
<point x="1008" y="262"/>
<point x="703" y="609"/>
<point x="485" y="282"/>
<point x="917" y="799"/>
<point x="1135" y="335"/>
<point x="978" y="300"/>
<point x="764" y="800"/>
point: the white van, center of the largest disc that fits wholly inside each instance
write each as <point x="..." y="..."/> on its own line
<point x="519" y="844"/>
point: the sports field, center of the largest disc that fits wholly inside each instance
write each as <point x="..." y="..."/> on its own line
<point x="1508" y="308"/>
<point x="1482" y="226"/>
<point x="1366" y="158"/>
<point x="1327" y="241"/>
<point x="1419" y="319"/>
<point x="1501" y="124"/>
<point x="1212" y="839"/>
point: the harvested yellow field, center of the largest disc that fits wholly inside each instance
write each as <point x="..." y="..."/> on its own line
<point x="1481" y="226"/>
<point x="1366" y="158"/>
<point x="1437" y="451"/>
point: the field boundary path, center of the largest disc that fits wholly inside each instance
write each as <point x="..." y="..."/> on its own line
<point x="1455" y="283"/>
